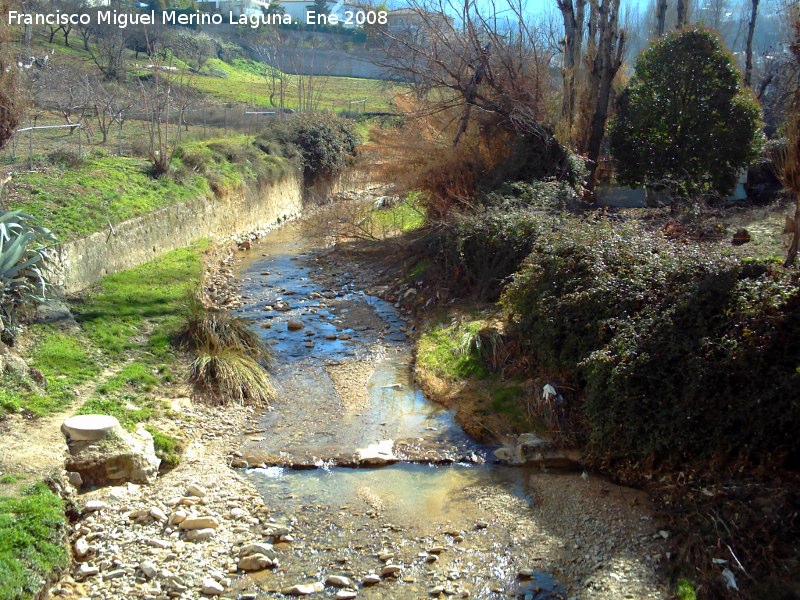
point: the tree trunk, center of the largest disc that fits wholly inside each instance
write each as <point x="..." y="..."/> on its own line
<point x="792" y="254"/>
<point x="748" y="60"/>
<point x="607" y="61"/>
<point x="683" y="14"/>
<point x="573" y="42"/>
<point x="661" y="17"/>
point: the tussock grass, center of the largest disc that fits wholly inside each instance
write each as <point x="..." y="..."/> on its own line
<point x="230" y="375"/>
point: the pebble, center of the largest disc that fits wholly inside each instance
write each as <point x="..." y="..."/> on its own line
<point x="254" y="562"/>
<point x="148" y="569"/>
<point x="95" y="505"/>
<point x="371" y="580"/>
<point x="389" y="570"/>
<point x="304" y="589"/>
<point x="200" y="535"/>
<point x="204" y="522"/>
<point x="346" y="594"/>
<point x="195" y="490"/>
<point x="211" y="587"/>
<point x="339" y="581"/>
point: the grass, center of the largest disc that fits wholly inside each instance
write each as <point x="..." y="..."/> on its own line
<point x="685" y="590"/>
<point x="441" y="351"/>
<point x="245" y="82"/>
<point x="32" y="541"/>
<point x="10" y="478"/>
<point x="405" y="216"/>
<point x="167" y="448"/>
<point x="73" y="202"/>
<point x="129" y="315"/>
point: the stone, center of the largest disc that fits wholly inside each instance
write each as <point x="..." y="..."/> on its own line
<point x="346" y="594"/>
<point x="86" y="570"/>
<point x="390" y="570"/>
<point x="294" y="325"/>
<point x="195" y="490"/>
<point x="200" y="535"/>
<point x="339" y="581"/>
<point x="304" y="589"/>
<point x="75" y="480"/>
<point x="741" y="237"/>
<point x="81" y="547"/>
<point x="380" y="453"/>
<point x="258" y="548"/>
<point x="371" y="580"/>
<point x="255" y="562"/>
<point x="156" y="543"/>
<point x="115" y="574"/>
<point x="211" y="587"/>
<point x="103" y="453"/>
<point x="201" y="522"/>
<point x="525" y="573"/>
<point x="177" y="517"/>
<point x="158" y="514"/>
<point x="95" y="505"/>
<point x="148" y="569"/>
<point x="481" y="525"/>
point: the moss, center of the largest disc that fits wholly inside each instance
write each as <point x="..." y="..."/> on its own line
<point x="32" y="541"/>
<point x="685" y="590"/>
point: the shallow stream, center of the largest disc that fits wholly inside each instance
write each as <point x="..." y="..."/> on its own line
<point x="362" y="468"/>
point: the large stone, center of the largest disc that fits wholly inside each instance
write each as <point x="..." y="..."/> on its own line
<point x="254" y="562"/>
<point x="304" y="589"/>
<point x="103" y="453"/>
<point x="532" y="450"/>
<point x="377" y="454"/>
<point x="201" y="522"/>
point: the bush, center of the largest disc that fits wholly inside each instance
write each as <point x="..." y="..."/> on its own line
<point x="662" y="340"/>
<point x="23" y="264"/>
<point x="323" y="143"/>
<point x="479" y="251"/>
<point x="685" y="117"/>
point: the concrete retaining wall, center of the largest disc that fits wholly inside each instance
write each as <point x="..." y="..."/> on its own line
<point x="136" y="241"/>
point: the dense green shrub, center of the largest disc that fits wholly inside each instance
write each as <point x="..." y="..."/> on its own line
<point x="324" y="143"/>
<point x="480" y="250"/>
<point x="685" y="117"/>
<point x="662" y="340"/>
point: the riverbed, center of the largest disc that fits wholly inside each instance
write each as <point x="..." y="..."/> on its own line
<point x="376" y="483"/>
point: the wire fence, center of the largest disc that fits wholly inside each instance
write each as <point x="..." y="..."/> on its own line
<point x="46" y="133"/>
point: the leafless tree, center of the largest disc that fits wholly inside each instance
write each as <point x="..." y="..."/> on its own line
<point x="661" y="17"/>
<point x="682" y="17"/>
<point x="111" y="102"/>
<point x="277" y="80"/>
<point x="748" y="52"/>
<point x="606" y="53"/>
<point x="477" y="62"/>
<point x="165" y="97"/>
<point x="108" y="50"/>
<point x="573" y="13"/>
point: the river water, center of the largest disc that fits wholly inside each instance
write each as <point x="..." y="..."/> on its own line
<point x="359" y="465"/>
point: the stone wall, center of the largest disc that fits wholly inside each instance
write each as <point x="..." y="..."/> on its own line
<point x="135" y="241"/>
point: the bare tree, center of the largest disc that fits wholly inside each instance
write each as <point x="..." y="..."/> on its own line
<point x="574" y="15"/>
<point x="608" y="49"/>
<point x="108" y="50"/>
<point x="111" y="101"/>
<point x="10" y="95"/>
<point x="165" y="97"/>
<point x="748" y="53"/>
<point x="478" y="62"/>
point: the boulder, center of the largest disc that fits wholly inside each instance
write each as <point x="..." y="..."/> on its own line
<point x="103" y="453"/>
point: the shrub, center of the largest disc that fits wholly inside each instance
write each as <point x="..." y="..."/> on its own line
<point x="323" y="143"/>
<point x="479" y="251"/>
<point x="662" y="340"/>
<point x="23" y="264"/>
<point x="685" y="116"/>
<point x="10" y="95"/>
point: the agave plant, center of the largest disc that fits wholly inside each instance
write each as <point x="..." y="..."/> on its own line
<point x="24" y="254"/>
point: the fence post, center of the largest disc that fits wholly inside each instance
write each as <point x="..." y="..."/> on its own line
<point x="30" y="145"/>
<point x="80" y="149"/>
<point x="226" y="119"/>
<point x="119" y="136"/>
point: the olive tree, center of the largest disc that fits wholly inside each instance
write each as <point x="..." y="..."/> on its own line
<point x="685" y="118"/>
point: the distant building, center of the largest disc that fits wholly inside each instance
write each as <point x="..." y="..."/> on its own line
<point x="410" y="20"/>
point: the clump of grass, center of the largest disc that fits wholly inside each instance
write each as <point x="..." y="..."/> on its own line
<point x="229" y="374"/>
<point x="230" y="360"/>
<point x="215" y="330"/>
<point x="448" y="351"/>
<point x="167" y="447"/>
<point x="32" y="545"/>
